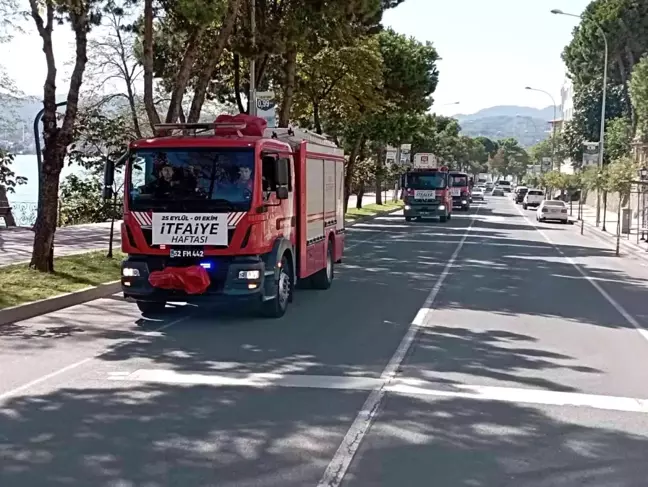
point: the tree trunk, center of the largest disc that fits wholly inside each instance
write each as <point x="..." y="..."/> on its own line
<point x="618" y="229"/>
<point x="379" y="176"/>
<point x="212" y="61"/>
<point x="184" y="74"/>
<point x="237" y="83"/>
<point x="45" y="227"/>
<point x="361" y="192"/>
<point x="316" y="117"/>
<point x="147" y="61"/>
<point x="350" y="169"/>
<point x="9" y="219"/>
<point x="290" y="71"/>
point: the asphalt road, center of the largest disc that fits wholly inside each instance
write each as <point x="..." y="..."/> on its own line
<point x="487" y="351"/>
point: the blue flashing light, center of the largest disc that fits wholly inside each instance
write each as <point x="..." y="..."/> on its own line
<point x="206" y="265"/>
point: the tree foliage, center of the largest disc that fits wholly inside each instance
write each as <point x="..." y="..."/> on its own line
<point x="639" y="96"/>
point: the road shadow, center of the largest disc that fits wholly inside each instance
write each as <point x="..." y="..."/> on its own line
<point x="163" y="435"/>
<point x="474" y="443"/>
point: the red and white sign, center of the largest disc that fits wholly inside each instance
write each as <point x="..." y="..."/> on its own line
<point x="425" y="161"/>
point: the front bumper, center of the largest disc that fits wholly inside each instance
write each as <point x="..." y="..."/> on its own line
<point x="413" y="210"/>
<point x="226" y="283"/>
<point x="460" y="200"/>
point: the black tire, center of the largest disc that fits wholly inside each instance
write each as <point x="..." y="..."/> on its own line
<point x="408" y="218"/>
<point x="449" y="216"/>
<point x="524" y="207"/>
<point x="276" y="307"/>
<point x="443" y="218"/>
<point x="324" y="278"/>
<point x="465" y="208"/>
<point x="151" y="307"/>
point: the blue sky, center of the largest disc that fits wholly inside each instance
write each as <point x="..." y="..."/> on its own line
<point x="491" y="50"/>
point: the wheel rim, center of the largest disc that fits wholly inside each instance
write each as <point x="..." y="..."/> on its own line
<point x="284" y="287"/>
<point x="329" y="265"/>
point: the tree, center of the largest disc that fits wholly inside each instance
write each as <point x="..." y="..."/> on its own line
<point x="639" y="96"/>
<point x="81" y="15"/>
<point x="490" y="146"/>
<point x="114" y="59"/>
<point x="336" y="83"/>
<point x="618" y="138"/>
<point x="510" y="159"/>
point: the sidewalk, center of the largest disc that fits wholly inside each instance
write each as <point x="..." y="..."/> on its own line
<point x="631" y="243"/>
<point x="16" y="242"/>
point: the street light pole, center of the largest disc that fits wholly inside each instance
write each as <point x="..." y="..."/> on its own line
<point x="39" y="152"/>
<point x="603" y="101"/>
<point x="553" y="125"/>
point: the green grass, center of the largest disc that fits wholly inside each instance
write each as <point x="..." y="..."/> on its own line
<point x="20" y="284"/>
<point x="371" y="210"/>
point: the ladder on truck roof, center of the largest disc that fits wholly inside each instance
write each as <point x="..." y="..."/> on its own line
<point x="295" y="136"/>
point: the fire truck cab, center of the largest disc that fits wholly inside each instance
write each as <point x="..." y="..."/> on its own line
<point x="427" y="194"/>
<point x="229" y="211"/>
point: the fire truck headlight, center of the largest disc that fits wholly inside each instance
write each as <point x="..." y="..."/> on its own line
<point x="130" y="272"/>
<point x="463" y="202"/>
<point x="408" y="207"/>
<point x="441" y="207"/>
<point x="249" y="275"/>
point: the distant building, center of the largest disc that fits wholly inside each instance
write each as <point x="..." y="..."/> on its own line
<point x="567" y="113"/>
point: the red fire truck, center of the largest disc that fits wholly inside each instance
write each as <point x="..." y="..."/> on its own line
<point x="229" y="210"/>
<point x="427" y="192"/>
<point x="461" y="189"/>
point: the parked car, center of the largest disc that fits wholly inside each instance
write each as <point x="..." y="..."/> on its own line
<point x="552" y="210"/>
<point x="520" y="193"/>
<point x="533" y="198"/>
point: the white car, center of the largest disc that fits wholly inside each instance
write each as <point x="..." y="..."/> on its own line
<point x="504" y="185"/>
<point x="533" y="198"/>
<point x="552" y="210"/>
<point x="478" y="193"/>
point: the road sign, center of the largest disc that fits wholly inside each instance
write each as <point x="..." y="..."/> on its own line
<point x="425" y="161"/>
<point x="590" y="153"/>
<point x="405" y="150"/>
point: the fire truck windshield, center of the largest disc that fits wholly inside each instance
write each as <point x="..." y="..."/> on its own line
<point x="191" y="179"/>
<point x="459" y="180"/>
<point x="422" y="180"/>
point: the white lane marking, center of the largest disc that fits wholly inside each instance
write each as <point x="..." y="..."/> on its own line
<point x="233" y="379"/>
<point x="403" y="386"/>
<point x="67" y="368"/>
<point x="520" y="395"/>
<point x="337" y="468"/>
<point x="615" y="304"/>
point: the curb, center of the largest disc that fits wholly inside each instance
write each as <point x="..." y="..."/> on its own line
<point x="367" y="218"/>
<point x="36" y="308"/>
<point x="610" y="239"/>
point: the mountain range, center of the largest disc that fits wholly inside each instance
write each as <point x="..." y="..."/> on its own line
<point x="525" y="124"/>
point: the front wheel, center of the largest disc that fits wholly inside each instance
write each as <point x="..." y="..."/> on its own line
<point x="443" y="218"/>
<point x="524" y="207"/>
<point x="276" y="307"/>
<point x="324" y="278"/>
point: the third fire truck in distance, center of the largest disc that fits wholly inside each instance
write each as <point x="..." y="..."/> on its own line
<point x="426" y="190"/>
<point x="460" y="189"/>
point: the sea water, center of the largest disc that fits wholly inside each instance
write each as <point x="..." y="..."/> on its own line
<point x="25" y="197"/>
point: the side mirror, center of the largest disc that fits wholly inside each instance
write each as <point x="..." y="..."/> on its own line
<point x="282" y="192"/>
<point x="282" y="172"/>
<point x="109" y="179"/>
